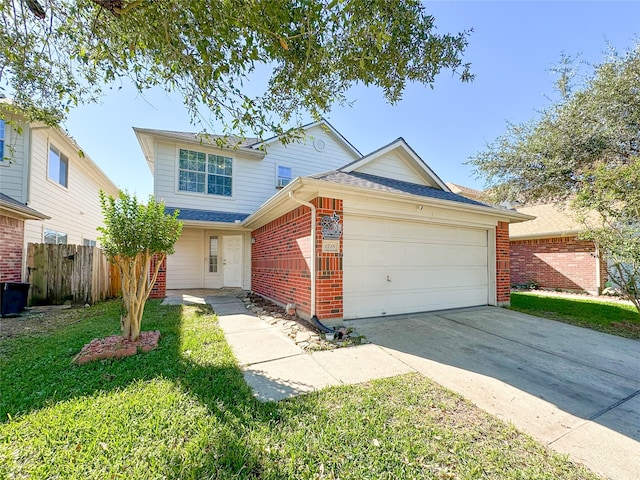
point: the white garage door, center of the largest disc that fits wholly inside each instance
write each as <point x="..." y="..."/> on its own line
<point x="392" y="267"/>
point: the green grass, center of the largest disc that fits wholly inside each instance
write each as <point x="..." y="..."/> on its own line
<point x="184" y="411"/>
<point x="615" y="318"/>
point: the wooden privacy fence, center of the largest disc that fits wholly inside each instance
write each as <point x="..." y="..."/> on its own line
<point x="60" y="273"/>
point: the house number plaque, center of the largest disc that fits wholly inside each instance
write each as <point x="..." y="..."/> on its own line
<point x="330" y="246"/>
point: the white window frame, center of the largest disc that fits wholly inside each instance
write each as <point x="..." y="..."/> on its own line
<point x="209" y="159"/>
<point x="282" y="179"/>
<point x="57" y="236"/>
<point x="62" y="158"/>
<point x="88" y="242"/>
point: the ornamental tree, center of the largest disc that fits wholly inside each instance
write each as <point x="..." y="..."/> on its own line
<point x="55" y="54"/>
<point x="133" y="235"/>
<point x="585" y="147"/>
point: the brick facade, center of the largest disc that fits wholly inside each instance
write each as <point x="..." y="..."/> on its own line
<point x="12" y="241"/>
<point x="281" y="259"/>
<point x="503" y="279"/>
<point x="557" y="263"/>
<point x="159" y="290"/>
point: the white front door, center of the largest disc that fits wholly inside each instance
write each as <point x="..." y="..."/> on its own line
<point x="232" y="260"/>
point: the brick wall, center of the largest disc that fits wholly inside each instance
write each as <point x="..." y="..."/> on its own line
<point x="558" y="263"/>
<point x="159" y="290"/>
<point x="329" y="265"/>
<point x="12" y="242"/>
<point x="281" y="259"/>
<point x="503" y="280"/>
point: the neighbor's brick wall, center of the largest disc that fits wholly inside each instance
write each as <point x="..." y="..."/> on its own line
<point x="11" y="248"/>
<point x="503" y="281"/>
<point x="559" y="263"/>
<point x="280" y="261"/>
<point x="159" y="290"/>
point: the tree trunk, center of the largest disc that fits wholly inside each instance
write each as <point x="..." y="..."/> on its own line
<point x="136" y="287"/>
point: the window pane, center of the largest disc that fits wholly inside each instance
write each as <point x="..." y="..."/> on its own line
<point x="219" y="180"/>
<point x="51" y="236"/>
<point x="54" y="164"/>
<point x="213" y="254"/>
<point x="64" y="171"/>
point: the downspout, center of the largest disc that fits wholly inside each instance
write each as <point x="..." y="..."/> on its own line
<point x="598" y="270"/>
<point x="312" y="266"/>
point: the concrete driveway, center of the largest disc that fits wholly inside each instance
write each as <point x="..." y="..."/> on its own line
<point x="574" y="389"/>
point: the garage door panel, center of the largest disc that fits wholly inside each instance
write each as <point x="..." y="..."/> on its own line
<point x="393" y="267"/>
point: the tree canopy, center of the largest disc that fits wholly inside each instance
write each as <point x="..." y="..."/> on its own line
<point x="55" y="54"/>
<point x="584" y="148"/>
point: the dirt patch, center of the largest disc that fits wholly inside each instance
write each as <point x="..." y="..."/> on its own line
<point x="39" y="320"/>
<point x="116" y="346"/>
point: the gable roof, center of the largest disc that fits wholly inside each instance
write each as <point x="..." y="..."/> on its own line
<point x="383" y="184"/>
<point x="19" y="210"/>
<point x="403" y="149"/>
<point x="551" y="221"/>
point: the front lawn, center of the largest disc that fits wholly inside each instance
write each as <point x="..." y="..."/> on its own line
<point x="184" y="411"/>
<point x="610" y="317"/>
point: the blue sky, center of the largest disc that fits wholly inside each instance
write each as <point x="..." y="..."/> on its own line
<point x="512" y="48"/>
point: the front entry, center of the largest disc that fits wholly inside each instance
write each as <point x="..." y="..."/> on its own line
<point x="232" y="260"/>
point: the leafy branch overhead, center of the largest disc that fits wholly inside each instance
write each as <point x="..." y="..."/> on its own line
<point x="56" y="54"/>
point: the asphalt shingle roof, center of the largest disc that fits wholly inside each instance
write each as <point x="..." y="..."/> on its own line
<point x="10" y="202"/>
<point x="383" y="184"/>
<point x="206" y="215"/>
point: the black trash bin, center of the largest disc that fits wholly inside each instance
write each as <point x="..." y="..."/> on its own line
<point x="13" y="297"/>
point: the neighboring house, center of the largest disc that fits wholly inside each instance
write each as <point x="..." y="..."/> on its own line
<point x="547" y="252"/>
<point x="389" y="236"/>
<point x="44" y="171"/>
<point x="471" y="193"/>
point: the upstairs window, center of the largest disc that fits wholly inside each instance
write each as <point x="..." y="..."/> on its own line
<point x="2" y="133"/>
<point x="202" y="173"/>
<point x="284" y="177"/>
<point x="58" y="166"/>
<point x="51" y="236"/>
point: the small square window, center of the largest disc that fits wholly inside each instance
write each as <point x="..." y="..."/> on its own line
<point x="284" y="176"/>
<point x="58" y="166"/>
<point x="88" y="243"/>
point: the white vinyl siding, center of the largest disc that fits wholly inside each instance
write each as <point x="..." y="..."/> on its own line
<point x="74" y="210"/>
<point x="185" y="268"/>
<point x="392" y="166"/>
<point x="13" y="169"/>
<point x="396" y="266"/>
<point x="253" y="178"/>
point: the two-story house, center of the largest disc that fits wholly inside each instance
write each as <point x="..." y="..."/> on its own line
<point x="318" y="224"/>
<point x="49" y="191"/>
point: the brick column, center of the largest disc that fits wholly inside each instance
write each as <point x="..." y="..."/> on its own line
<point x="503" y="278"/>
<point x="12" y="242"/>
<point x="329" y="278"/>
<point x="159" y="290"/>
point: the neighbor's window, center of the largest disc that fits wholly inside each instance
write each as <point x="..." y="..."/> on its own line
<point x="51" y="236"/>
<point x="284" y="176"/>
<point x="88" y="243"/>
<point x="2" y="132"/>
<point x="213" y="254"/>
<point x="202" y="173"/>
<point x="58" y="166"/>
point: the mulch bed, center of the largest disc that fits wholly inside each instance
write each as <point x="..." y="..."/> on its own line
<point x="116" y="346"/>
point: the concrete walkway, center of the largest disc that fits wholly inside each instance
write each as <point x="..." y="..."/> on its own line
<point x="276" y="368"/>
